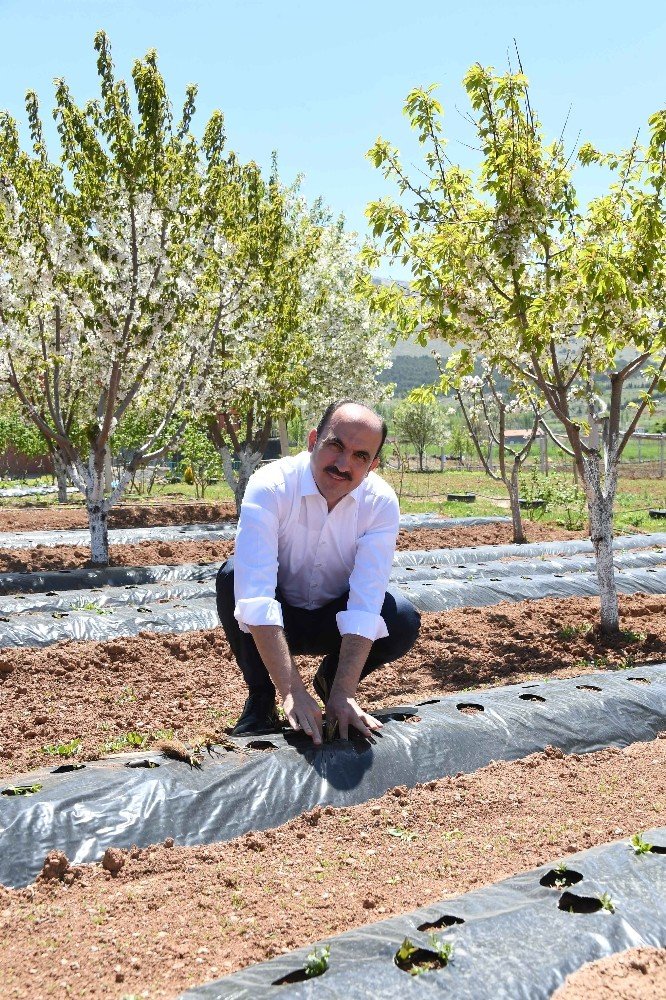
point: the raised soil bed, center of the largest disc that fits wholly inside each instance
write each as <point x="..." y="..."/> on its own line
<point x="164" y="918"/>
<point x="174" y="553"/>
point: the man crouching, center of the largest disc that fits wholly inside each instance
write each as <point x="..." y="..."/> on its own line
<point x="313" y="554"/>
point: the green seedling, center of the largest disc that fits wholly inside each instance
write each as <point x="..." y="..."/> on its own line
<point x="410" y="958"/>
<point x="631" y="636"/>
<point x="21" y="790"/>
<point x="571" y="631"/>
<point x="627" y="662"/>
<point x="400" y="833"/>
<point x="639" y="845"/>
<point x="443" y="949"/>
<point x="606" y="902"/>
<point x="126" y="696"/>
<point x="63" y="749"/>
<point x="126" y="741"/>
<point x="317" y="962"/>
<point x="90" y="606"/>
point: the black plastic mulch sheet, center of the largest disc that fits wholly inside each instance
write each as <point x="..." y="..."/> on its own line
<point x="490" y="553"/>
<point x="112" y="576"/>
<point x="118" y="576"/>
<point x="183" y="604"/>
<point x="514" y="940"/>
<point x="84" y="812"/>
<point x="200" y="532"/>
<point x="214" y="532"/>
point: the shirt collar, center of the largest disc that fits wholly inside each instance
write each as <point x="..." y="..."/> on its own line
<point x="309" y="487"/>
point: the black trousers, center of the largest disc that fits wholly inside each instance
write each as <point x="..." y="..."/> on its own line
<point x="314" y="633"/>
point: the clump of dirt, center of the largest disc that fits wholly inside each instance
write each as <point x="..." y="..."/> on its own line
<point x="173" y="917"/>
<point x="33" y="516"/>
<point x="636" y="974"/>
<point x="180" y="686"/>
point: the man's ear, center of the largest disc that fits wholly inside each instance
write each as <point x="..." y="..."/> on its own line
<point x="312" y="439"/>
<point x="374" y="463"/>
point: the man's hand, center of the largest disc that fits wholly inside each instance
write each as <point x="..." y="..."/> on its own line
<point x="304" y="713"/>
<point x="347" y="712"/>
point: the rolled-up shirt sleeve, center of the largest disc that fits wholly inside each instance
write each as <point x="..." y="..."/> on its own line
<point x="256" y="558"/>
<point x="370" y="576"/>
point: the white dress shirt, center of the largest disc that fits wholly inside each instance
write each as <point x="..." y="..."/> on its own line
<point x="287" y="536"/>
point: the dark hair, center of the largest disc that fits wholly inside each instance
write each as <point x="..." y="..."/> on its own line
<point x="331" y="409"/>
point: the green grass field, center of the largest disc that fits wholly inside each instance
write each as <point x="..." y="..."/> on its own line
<point x="426" y="492"/>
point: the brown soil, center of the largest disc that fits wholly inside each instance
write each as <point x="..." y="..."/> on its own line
<point x="173" y="553"/>
<point x="188" y="683"/>
<point x="155" y="921"/>
<point x="637" y="974"/>
<point x="55" y="557"/>
<point x="45" y="517"/>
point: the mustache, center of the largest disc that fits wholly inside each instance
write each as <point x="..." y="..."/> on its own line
<point x="336" y="472"/>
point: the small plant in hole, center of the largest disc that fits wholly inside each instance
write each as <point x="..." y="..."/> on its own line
<point x="414" y="960"/>
<point x="21" y="789"/>
<point x="69" y="749"/>
<point x="606" y="902"/>
<point x="317" y="962"/>
<point x="639" y="845"/>
<point x="126" y="741"/>
<point x="90" y="606"/>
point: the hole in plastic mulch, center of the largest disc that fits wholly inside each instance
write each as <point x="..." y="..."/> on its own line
<point x="263" y="745"/>
<point x="431" y="701"/>
<point x="657" y="849"/>
<point x="399" y="716"/>
<point x="66" y="768"/>
<point x="571" y="903"/>
<point x="587" y="687"/>
<point x="142" y="763"/>
<point x="639" y="680"/>
<point x="469" y="708"/>
<point x="531" y="697"/>
<point x="299" y="976"/>
<point x="444" y="921"/>
<point x="418" y="961"/>
<point x="555" y="879"/>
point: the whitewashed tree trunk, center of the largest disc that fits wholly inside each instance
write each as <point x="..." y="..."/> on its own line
<point x="60" y="473"/>
<point x="99" y="532"/>
<point x="600" y="503"/>
<point x="237" y="481"/>
<point x="514" y="500"/>
<point x="284" y="436"/>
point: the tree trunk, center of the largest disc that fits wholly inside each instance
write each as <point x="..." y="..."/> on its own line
<point x="237" y="481"/>
<point x="60" y="473"/>
<point x="420" y="460"/>
<point x="600" y="506"/>
<point x="514" y="500"/>
<point x="284" y="437"/>
<point x="99" y="532"/>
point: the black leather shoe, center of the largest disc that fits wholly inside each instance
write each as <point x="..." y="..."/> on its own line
<point x="259" y="716"/>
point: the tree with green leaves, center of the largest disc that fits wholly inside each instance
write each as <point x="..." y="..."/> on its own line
<point x="486" y="408"/>
<point x="119" y="271"/>
<point x="303" y="337"/>
<point x="420" y="421"/>
<point x="505" y="262"/>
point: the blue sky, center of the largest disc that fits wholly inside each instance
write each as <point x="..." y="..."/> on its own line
<point x="319" y="81"/>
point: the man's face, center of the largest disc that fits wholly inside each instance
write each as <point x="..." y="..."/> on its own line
<point x="344" y="455"/>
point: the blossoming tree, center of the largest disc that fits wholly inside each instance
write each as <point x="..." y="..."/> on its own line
<point x="558" y="297"/>
<point x="303" y="337"/>
<point x="107" y="300"/>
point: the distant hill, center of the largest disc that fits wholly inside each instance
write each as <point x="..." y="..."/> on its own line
<point x="408" y="372"/>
